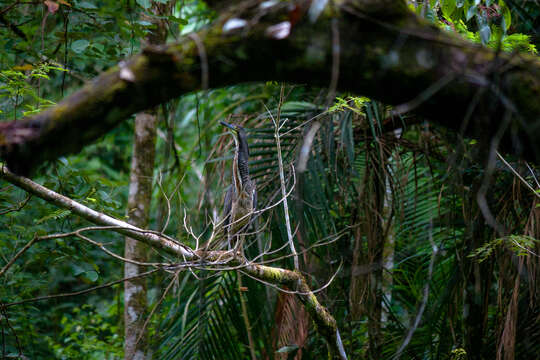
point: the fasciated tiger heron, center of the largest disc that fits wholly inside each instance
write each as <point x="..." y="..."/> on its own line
<point x="241" y="197"/>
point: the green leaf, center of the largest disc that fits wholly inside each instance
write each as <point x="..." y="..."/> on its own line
<point x="77" y="270"/>
<point x="91" y="275"/>
<point x="297" y="106"/>
<point x="471" y="12"/>
<point x="87" y="5"/>
<point x="485" y="34"/>
<point x="287" y="349"/>
<point x="291" y="350"/>
<point x="144" y="23"/>
<point x="507" y="16"/>
<point x="448" y="7"/>
<point x="145" y="4"/>
<point x="79" y="45"/>
<point x="38" y="75"/>
<point x="99" y="47"/>
<point x="177" y="20"/>
<point x="58" y="214"/>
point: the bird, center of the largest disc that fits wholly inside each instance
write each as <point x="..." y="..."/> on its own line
<point x="241" y="197"/>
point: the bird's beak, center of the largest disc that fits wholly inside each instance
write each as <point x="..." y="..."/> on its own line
<point x="228" y="125"/>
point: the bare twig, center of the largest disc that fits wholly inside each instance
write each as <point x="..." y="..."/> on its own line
<point x="168" y="198"/>
<point x="204" y="59"/>
<point x="488" y="175"/>
<point x="3" y="312"/>
<point x="18" y="207"/>
<point x="171" y="283"/>
<point x="190" y="259"/>
<point x="158" y="241"/>
<point x="9" y="7"/>
<point x="22" y="251"/>
<point x="282" y="179"/>
<point x="518" y="175"/>
<point x="524" y="248"/>
<point x="423" y="96"/>
<point x="76" y="293"/>
<point x="336" y="51"/>
<point x="246" y="319"/>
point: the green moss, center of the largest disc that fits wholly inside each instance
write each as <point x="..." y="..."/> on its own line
<point x="57" y="114"/>
<point x="58" y="111"/>
<point x="139" y="63"/>
<point x="116" y="87"/>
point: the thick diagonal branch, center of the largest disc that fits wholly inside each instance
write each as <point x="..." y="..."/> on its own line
<point x="386" y="53"/>
<point x="293" y="280"/>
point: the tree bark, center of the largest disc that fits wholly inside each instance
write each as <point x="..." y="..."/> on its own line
<point x="387" y="53"/>
<point x="138" y="210"/>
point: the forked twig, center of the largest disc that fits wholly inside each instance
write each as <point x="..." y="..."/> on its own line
<point x="282" y="179"/>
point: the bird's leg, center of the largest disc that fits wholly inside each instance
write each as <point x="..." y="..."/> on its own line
<point x="229" y="242"/>
<point x="238" y="247"/>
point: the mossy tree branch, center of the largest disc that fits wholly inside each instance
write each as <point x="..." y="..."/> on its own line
<point x="387" y="53"/>
<point x="187" y="257"/>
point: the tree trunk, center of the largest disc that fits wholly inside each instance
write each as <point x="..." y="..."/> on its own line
<point x="365" y="295"/>
<point x="138" y="210"/>
<point x="375" y="246"/>
<point x="140" y="195"/>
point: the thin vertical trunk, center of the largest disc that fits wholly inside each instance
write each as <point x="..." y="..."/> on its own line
<point x="506" y="348"/>
<point x="138" y="210"/>
<point x="365" y="296"/>
<point x="247" y="324"/>
<point x="357" y="289"/>
<point x="375" y="244"/>
<point x="140" y="194"/>
<point x="388" y="250"/>
<point x="478" y="278"/>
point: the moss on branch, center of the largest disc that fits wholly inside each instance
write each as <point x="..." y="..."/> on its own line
<point x="370" y="64"/>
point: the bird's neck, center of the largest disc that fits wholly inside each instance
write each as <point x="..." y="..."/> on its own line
<point x="243" y="168"/>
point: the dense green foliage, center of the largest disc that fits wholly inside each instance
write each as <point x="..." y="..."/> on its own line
<point x="391" y="220"/>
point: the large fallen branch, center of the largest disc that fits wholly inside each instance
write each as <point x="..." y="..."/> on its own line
<point x="187" y="257"/>
<point x="386" y="52"/>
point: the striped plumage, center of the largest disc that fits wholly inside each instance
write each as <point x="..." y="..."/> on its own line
<point x="241" y="197"/>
